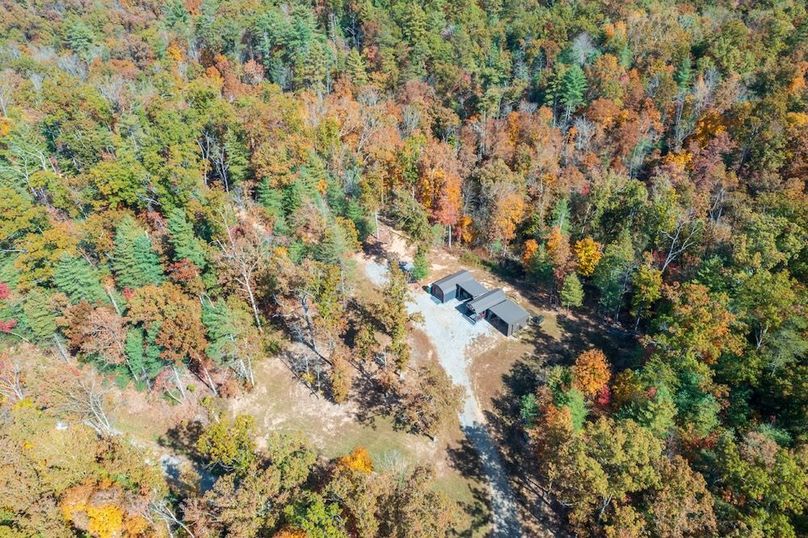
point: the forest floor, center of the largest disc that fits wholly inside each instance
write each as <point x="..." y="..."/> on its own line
<point x="281" y="403"/>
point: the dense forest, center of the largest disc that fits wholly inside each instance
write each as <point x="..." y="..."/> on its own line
<point x="183" y="186"/>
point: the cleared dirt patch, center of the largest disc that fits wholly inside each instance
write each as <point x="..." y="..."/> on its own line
<point x="281" y="403"/>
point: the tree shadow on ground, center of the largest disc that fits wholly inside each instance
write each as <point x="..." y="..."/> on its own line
<point x="465" y="460"/>
<point x="372" y="398"/>
<point x="376" y="251"/>
<point x="542" y="512"/>
<point x="584" y="332"/>
<point x="183" y="438"/>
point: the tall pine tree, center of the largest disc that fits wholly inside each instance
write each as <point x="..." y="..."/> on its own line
<point x="272" y="200"/>
<point x="573" y="88"/>
<point x="134" y="261"/>
<point x="183" y="240"/>
<point x="142" y="355"/>
<point x="572" y="293"/>
<point x="77" y="279"/>
<point x="38" y="315"/>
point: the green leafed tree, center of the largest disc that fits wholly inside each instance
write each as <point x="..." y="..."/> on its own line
<point x="18" y="215"/>
<point x="234" y="340"/>
<point x="229" y="445"/>
<point x="272" y="200"/>
<point x="142" y="356"/>
<point x="134" y="261"/>
<point x="183" y="240"/>
<point x="573" y="88"/>
<point x="612" y="275"/>
<point x="77" y="279"/>
<point x="647" y="282"/>
<point x="772" y="480"/>
<point x="316" y="516"/>
<point x="420" y="268"/>
<point x="572" y="292"/>
<point x="39" y="316"/>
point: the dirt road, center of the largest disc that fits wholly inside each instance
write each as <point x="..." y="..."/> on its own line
<point x="452" y="335"/>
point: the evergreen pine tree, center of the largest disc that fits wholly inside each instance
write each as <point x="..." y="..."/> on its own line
<point x="271" y="200"/>
<point x="420" y="264"/>
<point x="561" y="215"/>
<point x="78" y="280"/>
<point x="182" y="239"/>
<point x="572" y="293"/>
<point x="142" y="355"/>
<point x="134" y="261"/>
<point x="333" y="247"/>
<point x="553" y="87"/>
<point x="238" y="157"/>
<point x="293" y="196"/>
<point x="611" y="276"/>
<point x="222" y="329"/>
<point x="38" y="315"/>
<point x="355" y="68"/>
<point x="78" y="35"/>
<point x="573" y="87"/>
<point x="684" y="74"/>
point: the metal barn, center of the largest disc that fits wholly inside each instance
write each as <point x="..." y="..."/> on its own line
<point x="493" y="305"/>
<point x="507" y="316"/>
<point x="460" y="285"/>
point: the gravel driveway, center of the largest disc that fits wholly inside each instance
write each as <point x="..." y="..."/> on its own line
<point x="451" y="334"/>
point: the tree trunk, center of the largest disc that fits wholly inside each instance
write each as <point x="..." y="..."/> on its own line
<point x="178" y="382"/>
<point x="113" y="301"/>
<point x="207" y="380"/>
<point x="253" y="304"/>
<point x="304" y="303"/>
<point x="62" y="352"/>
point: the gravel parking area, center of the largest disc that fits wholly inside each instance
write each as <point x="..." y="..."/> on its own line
<point x="451" y="333"/>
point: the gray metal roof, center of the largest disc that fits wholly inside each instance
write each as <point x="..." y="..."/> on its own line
<point x="472" y="287"/>
<point x="509" y="312"/>
<point x="453" y="279"/>
<point x="486" y="300"/>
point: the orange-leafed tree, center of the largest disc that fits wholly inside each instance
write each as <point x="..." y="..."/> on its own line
<point x="558" y="247"/>
<point x="358" y="460"/>
<point x="289" y="532"/>
<point x="591" y="372"/>
<point x="465" y="229"/>
<point x="439" y="183"/>
<point x="588" y="253"/>
<point x="508" y="212"/>
<point x="179" y="318"/>
<point x="103" y="510"/>
<point x="529" y="250"/>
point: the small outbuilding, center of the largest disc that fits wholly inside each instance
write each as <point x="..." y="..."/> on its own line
<point x="461" y="285"/>
<point x="507" y="316"/>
